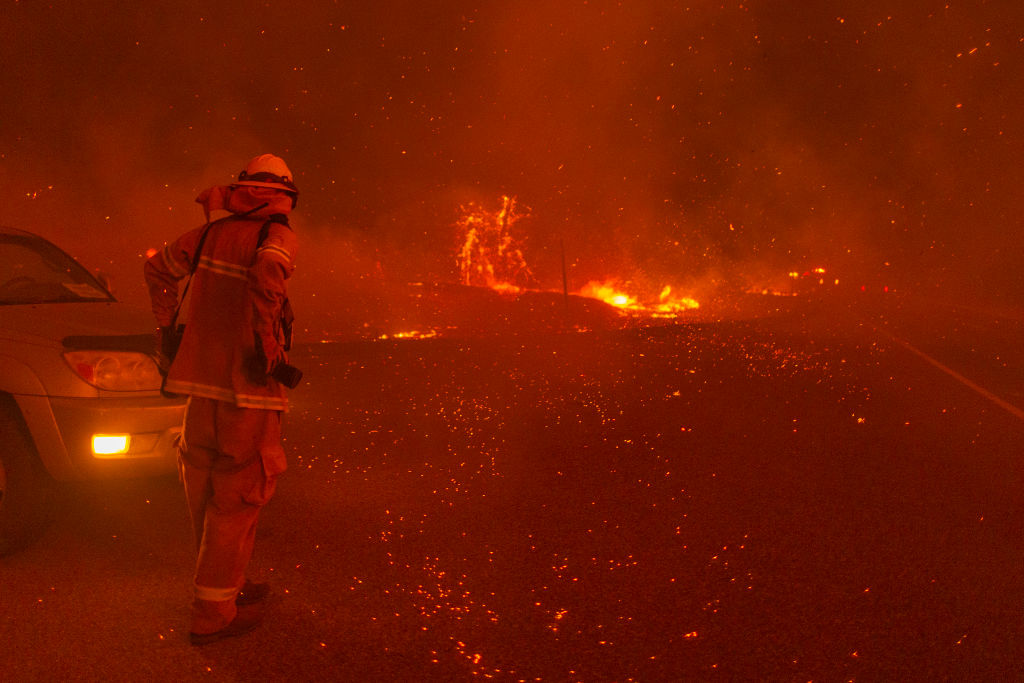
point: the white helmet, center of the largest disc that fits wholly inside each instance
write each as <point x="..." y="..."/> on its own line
<point x="268" y="170"/>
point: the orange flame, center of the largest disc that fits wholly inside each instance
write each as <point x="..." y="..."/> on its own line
<point x="669" y="305"/>
<point x="609" y="292"/>
<point x="490" y="255"/>
<point x="612" y="293"/>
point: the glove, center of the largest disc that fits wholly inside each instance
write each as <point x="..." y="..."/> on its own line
<point x="263" y="365"/>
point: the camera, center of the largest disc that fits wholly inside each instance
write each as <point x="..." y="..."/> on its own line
<point x="283" y="373"/>
<point x="287" y="374"/>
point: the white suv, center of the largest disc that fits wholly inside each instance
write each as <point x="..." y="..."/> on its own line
<point x="79" y="389"/>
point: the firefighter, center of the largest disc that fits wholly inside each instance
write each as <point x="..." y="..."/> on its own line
<point x="233" y="344"/>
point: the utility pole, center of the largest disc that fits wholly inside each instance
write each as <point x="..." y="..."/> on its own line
<point x="565" y="281"/>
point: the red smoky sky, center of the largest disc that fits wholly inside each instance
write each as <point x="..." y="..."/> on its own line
<point x="655" y="140"/>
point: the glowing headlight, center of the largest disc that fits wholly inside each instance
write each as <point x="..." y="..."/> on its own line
<point x="115" y="370"/>
<point x="110" y="444"/>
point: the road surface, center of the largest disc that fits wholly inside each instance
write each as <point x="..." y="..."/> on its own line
<point x="831" y="494"/>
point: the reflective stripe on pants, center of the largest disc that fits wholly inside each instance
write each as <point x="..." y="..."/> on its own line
<point x="230" y="461"/>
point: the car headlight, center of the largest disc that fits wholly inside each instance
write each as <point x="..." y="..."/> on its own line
<point x="115" y="370"/>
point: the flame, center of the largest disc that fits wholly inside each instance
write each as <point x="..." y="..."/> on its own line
<point x="611" y="292"/>
<point x="490" y="255"/>
<point x="669" y="305"/>
<point x="608" y="292"/>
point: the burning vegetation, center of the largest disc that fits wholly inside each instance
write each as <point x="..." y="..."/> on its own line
<point x="491" y="255"/>
<point x="495" y="289"/>
<point x="668" y="305"/>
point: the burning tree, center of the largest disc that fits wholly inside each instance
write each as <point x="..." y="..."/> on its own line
<point x="490" y="255"/>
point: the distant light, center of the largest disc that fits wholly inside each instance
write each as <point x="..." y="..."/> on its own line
<point x="110" y="444"/>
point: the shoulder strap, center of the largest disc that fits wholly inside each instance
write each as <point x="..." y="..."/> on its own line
<point x="265" y="229"/>
<point x="199" y="251"/>
<point x="191" y="272"/>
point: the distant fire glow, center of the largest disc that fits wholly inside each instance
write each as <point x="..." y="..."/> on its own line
<point x="411" y="334"/>
<point x="490" y="256"/>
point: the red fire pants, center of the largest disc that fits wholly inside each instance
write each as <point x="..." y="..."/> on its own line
<point x="230" y="460"/>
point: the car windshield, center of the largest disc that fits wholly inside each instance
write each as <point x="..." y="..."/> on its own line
<point x="34" y="271"/>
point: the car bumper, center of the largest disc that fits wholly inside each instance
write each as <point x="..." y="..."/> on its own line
<point x="64" y="430"/>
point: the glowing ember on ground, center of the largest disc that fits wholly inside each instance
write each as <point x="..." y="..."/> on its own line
<point x="799" y="283"/>
<point x="506" y="288"/>
<point x="414" y="334"/>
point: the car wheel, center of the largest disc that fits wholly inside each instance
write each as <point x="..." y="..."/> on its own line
<point x="25" y="489"/>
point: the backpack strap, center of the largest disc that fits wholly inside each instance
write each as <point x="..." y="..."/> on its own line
<point x="199" y="251"/>
<point x="279" y="218"/>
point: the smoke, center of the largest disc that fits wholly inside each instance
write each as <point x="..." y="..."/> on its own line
<point x="655" y="142"/>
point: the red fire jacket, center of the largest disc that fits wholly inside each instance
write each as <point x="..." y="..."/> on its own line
<point x="236" y="291"/>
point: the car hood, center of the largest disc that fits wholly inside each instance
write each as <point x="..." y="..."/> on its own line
<point x="50" y="324"/>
